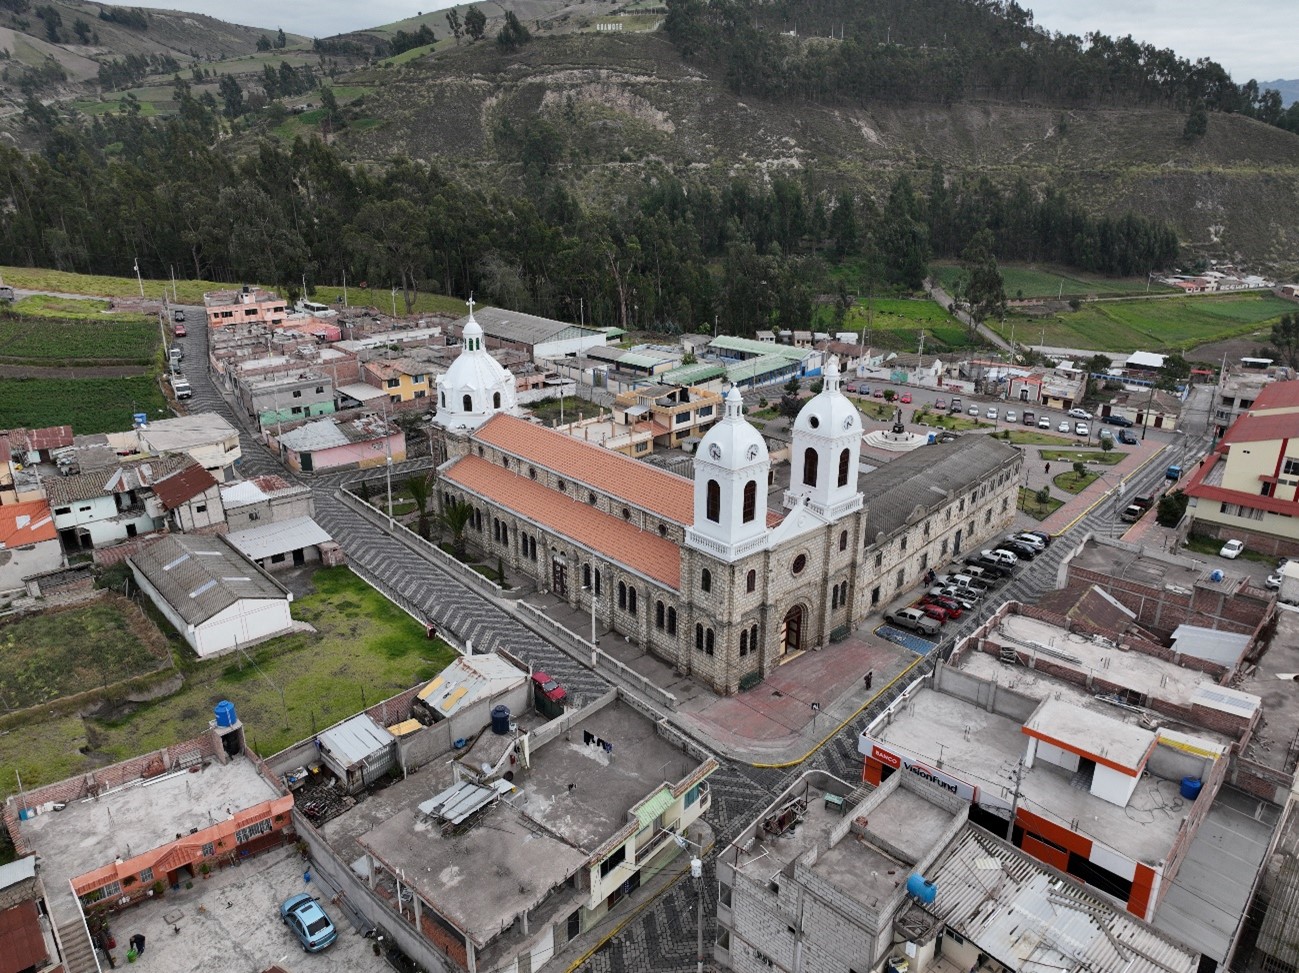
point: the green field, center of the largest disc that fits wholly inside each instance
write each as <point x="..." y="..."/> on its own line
<point x="88" y="405"/>
<point x="69" y="343"/>
<point x="365" y="650"/>
<point x="1150" y="325"/>
<point x="897" y="322"/>
<point x="1031" y="281"/>
<point x="61" y="653"/>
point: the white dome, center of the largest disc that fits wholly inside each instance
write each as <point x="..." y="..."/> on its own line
<point x="733" y="442"/>
<point x="829" y="413"/>
<point x="476" y="386"/>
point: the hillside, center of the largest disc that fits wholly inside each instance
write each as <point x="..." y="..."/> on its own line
<point x="80" y="37"/>
<point x="625" y="104"/>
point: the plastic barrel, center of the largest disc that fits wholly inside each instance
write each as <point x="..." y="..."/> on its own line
<point x="225" y="713"/>
<point x="500" y="720"/>
<point x="921" y="889"/>
<point x="1190" y="788"/>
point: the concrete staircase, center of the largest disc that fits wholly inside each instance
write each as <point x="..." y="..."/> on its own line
<point x="78" y="954"/>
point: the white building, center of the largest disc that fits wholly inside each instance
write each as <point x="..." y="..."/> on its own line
<point x="476" y="386"/>
<point x="215" y="597"/>
<point x="204" y="436"/>
<point x="29" y="542"/>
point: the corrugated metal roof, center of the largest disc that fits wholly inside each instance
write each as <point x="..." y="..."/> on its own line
<point x="356" y="740"/>
<point x="691" y="374"/>
<point x="1029" y="917"/>
<point x="1225" y="699"/>
<point x="652" y="807"/>
<point x="361" y="391"/>
<point x="748" y="346"/>
<point x="278" y="538"/>
<point x="458" y="802"/>
<point x="1210" y="644"/>
<point x="469" y="679"/>
<point x="527" y="329"/>
<point x="755" y="367"/>
<point x="202" y="576"/>
<point x="17" y="871"/>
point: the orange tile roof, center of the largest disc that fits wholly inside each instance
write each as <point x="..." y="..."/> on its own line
<point x="26" y="523"/>
<point x="666" y="494"/>
<point x="621" y="542"/>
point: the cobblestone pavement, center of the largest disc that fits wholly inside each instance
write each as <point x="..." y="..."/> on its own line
<point x="661" y="938"/>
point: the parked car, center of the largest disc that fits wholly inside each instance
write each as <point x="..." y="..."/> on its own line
<point x="1077" y="413"/>
<point x="1032" y="540"/>
<point x="1042" y="535"/>
<point x="1000" y="556"/>
<point x="546" y="686"/>
<point x="956" y="405"/>
<point x="1123" y="421"/>
<point x="1044" y="422"/>
<point x="1274" y="581"/>
<point x="1126" y="438"/>
<point x="308" y="922"/>
<point x="914" y="620"/>
<point x="972" y="411"/>
<point x="1063" y="427"/>
<point x="878" y="394"/>
<point x="178" y="315"/>
<point x="1232" y="549"/>
<point x="851" y="387"/>
<point x="1105" y="434"/>
<point x="941" y="403"/>
<point x="178" y="331"/>
<point x="1082" y="430"/>
<point x="1021" y="551"/>
<point x="950" y="605"/>
<point x="1173" y="473"/>
<point x="937" y="612"/>
<point x="1012" y="415"/>
<point x="905" y="398"/>
<point x="967" y="600"/>
<point x="992" y="570"/>
<point x="962" y="582"/>
<point x="1030" y="417"/>
<point x="992" y="413"/>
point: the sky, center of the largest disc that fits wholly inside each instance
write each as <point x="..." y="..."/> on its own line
<point x="1251" y="38"/>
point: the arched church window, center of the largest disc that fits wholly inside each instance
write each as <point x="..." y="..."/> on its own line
<point x="810" y="460"/>
<point x="844" y="458"/>
<point x="713" y="502"/>
<point x="750" y="500"/>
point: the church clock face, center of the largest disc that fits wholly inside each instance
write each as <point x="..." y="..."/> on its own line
<point x="847" y="422"/>
<point x="715" y="451"/>
<point x="753" y="451"/>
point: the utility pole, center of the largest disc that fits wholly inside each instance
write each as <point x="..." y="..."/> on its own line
<point x="138" y="278"/>
<point x="1014" y="804"/>
<point x="345" y="304"/>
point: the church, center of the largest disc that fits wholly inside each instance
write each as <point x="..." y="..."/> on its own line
<point x="702" y="572"/>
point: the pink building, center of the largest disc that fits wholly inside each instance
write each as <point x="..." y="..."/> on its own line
<point x="327" y="444"/>
<point x="227" y="308"/>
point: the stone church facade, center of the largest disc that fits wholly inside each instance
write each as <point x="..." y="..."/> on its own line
<point x="699" y="571"/>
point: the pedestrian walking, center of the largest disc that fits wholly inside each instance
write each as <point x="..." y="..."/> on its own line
<point x="1048" y="469"/>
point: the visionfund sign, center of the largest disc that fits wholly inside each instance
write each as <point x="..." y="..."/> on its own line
<point x="926" y="773"/>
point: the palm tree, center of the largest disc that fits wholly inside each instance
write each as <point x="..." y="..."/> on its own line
<point x="456" y="518"/>
<point x="420" y="492"/>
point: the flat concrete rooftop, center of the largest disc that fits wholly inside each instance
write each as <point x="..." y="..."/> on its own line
<point x="983" y="749"/>
<point x="1145" y="674"/>
<point x="1129" y="563"/>
<point x="769" y="854"/>
<point x="605" y="784"/>
<point x="1097" y="734"/>
<point x="140" y="816"/>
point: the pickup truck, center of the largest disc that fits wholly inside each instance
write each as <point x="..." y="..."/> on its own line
<point x="1132" y="513"/>
<point x="915" y="620"/>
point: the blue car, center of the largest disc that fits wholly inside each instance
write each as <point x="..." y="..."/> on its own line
<point x="307" y="920"/>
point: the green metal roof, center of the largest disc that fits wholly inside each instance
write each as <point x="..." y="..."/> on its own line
<point x="767" y="364"/>
<point x="654" y="806"/>
<point x="692" y="374"/>
<point x="748" y="346"/>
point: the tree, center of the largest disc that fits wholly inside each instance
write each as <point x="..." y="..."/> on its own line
<point x="475" y="23"/>
<point x="263" y="43"/>
<point x="420" y="491"/>
<point x="1079" y="470"/>
<point x="1197" y="122"/>
<point x="456" y="518"/>
<point x="513" y="34"/>
<point x="984" y="289"/>
<point x="1106" y="444"/>
<point x="1173" y="372"/>
<point x="1043" y="496"/>
<point x="232" y="96"/>
<point x="333" y="119"/>
<point x="453" y="21"/>
<point x="1285" y="339"/>
<point x="82" y="30"/>
<point x="1171" y="509"/>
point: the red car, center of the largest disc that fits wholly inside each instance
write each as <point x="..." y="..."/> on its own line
<point x="949" y="605"/>
<point x="179" y="331"/>
<point x="547" y="686"/>
<point x="937" y="612"/>
<point x="851" y="387"/>
<point x="906" y="398"/>
<point x="879" y="393"/>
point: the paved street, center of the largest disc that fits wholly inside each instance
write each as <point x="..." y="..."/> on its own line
<point x="661" y="937"/>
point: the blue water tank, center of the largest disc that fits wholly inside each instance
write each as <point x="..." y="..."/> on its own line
<point x="921" y="889"/>
<point x="500" y="720"/>
<point x="1190" y="788"/>
<point x="225" y="713"/>
<point x="1216" y="575"/>
<point x="933" y="438"/>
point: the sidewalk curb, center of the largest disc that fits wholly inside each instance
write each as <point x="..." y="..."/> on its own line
<point x="1106" y="495"/>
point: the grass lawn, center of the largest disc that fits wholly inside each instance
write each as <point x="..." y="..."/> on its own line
<point x="956" y="423"/>
<point x="1083" y="456"/>
<point x="89" y="405"/>
<point x="365" y="649"/>
<point x="59" y="653"/>
<point x="1027" y="437"/>
<point x="1070" y="482"/>
<point x="1033" y="281"/>
<point x="47" y="340"/>
<point x="88" y="308"/>
<point x="879" y="410"/>
<point x="548" y="410"/>
<point x="1175" y="322"/>
<point x="1201" y="544"/>
<point x="1028" y="503"/>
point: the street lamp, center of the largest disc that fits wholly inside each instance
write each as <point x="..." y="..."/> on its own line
<point x="697" y="873"/>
